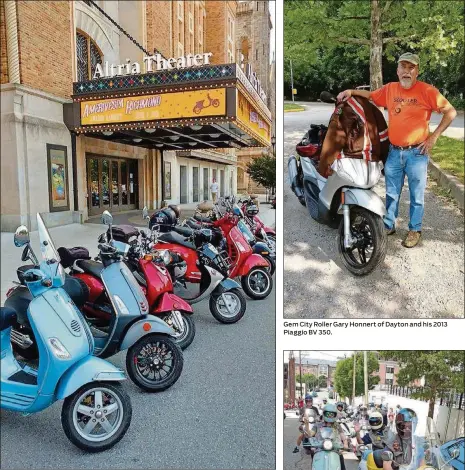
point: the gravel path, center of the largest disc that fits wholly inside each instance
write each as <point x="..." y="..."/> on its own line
<point x="423" y="282"/>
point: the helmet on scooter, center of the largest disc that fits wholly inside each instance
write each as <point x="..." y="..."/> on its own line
<point x="329" y="413"/>
<point x="404" y="423"/>
<point x="308" y="398"/>
<point x="251" y="210"/>
<point x="376" y="420"/>
<point x="176" y="209"/>
<point x="164" y="219"/>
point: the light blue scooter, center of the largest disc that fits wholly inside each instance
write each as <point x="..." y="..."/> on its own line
<point x="96" y="411"/>
<point x="327" y="456"/>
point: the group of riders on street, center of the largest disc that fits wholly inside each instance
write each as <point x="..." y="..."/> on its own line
<point x="391" y="445"/>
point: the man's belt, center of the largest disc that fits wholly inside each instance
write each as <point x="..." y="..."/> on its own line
<point x="398" y="147"/>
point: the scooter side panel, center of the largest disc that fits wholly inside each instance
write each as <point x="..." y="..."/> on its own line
<point x="251" y="262"/>
<point x="137" y="331"/>
<point x="168" y="302"/>
<point x="326" y="461"/>
<point x="87" y="370"/>
<point x="364" y="198"/>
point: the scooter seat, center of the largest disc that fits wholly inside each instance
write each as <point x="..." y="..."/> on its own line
<point x="201" y="218"/>
<point x="91" y="267"/>
<point x="173" y="237"/>
<point x="7" y="318"/>
<point x="193" y="224"/>
<point x="184" y="231"/>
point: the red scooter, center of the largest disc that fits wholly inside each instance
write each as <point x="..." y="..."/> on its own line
<point x="252" y="268"/>
<point x="154" y="280"/>
<point x="259" y="229"/>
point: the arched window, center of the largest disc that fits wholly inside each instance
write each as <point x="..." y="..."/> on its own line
<point x="88" y="56"/>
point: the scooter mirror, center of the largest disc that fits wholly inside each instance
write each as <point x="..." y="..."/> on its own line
<point x="145" y="213"/>
<point x="21" y="237"/>
<point x="107" y="218"/>
<point x="327" y="97"/>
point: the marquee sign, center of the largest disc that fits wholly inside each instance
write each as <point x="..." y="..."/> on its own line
<point x="251" y="118"/>
<point x="153" y="63"/>
<point x="177" y="105"/>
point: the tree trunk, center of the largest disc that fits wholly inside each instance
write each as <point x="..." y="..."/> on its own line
<point x="376" y="47"/>
<point x="431" y="407"/>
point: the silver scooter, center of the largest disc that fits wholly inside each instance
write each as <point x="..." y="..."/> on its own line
<point x="345" y="200"/>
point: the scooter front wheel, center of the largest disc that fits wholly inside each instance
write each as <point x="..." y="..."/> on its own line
<point x="154" y="363"/>
<point x="369" y="250"/>
<point x="257" y="283"/>
<point x="228" y="306"/>
<point x="185" y="337"/>
<point x="97" y="416"/>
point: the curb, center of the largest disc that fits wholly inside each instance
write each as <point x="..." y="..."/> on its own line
<point x="294" y="110"/>
<point x="449" y="182"/>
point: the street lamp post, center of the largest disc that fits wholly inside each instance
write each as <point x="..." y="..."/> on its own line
<point x="273" y="143"/>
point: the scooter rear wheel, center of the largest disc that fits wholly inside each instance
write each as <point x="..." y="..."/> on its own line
<point x="257" y="283"/>
<point x="154" y="363"/>
<point x="369" y="252"/>
<point x="96" y="416"/>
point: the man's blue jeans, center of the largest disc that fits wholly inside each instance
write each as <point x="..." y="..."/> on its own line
<point x="414" y="164"/>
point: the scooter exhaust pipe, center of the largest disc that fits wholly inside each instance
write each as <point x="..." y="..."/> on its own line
<point x="293" y="172"/>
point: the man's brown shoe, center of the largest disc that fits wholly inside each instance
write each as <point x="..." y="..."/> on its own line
<point x="411" y="239"/>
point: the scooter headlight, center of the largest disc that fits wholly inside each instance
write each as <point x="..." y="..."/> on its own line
<point x="58" y="349"/>
<point x="311" y="419"/>
<point x="327" y="445"/>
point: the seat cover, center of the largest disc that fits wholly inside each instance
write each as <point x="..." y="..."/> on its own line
<point x="19" y="301"/>
<point x="173" y="237"/>
<point x="200" y="218"/>
<point x="194" y="225"/>
<point x="7" y="317"/>
<point x="92" y="267"/>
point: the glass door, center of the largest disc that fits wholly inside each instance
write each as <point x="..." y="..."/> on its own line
<point x="195" y="184"/>
<point x="183" y="184"/>
<point x="205" y="184"/>
<point x="115" y="194"/>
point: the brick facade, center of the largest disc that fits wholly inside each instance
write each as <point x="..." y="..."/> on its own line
<point x="44" y="30"/>
<point x="217" y="29"/>
<point x="158" y="17"/>
<point x="4" y="57"/>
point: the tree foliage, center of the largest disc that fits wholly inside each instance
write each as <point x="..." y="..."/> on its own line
<point x="442" y="371"/>
<point x="330" y="42"/>
<point x="263" y="170"/>
<point x="343" y="377"/>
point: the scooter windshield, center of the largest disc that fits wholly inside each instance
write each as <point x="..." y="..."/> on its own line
<point x="47" y="248"/>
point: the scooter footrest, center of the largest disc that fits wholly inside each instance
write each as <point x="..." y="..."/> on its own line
<point x="24" y="378"/>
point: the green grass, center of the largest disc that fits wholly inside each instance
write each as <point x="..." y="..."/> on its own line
<point x="449" y="155"/>
<point x="293" y="107"/>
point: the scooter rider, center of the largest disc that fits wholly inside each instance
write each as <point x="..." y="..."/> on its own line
<point x="400" y="446"/>
<point x="329" y="420"/>
<point x="308" y="405"/>
<point x="378" y="435"/>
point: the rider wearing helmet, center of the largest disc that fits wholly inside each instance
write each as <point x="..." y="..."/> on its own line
<point x="341" y="409"/>
<point x="378" y="434"/>
<point x="308" y="405"/>
<point x="330" y="420"/>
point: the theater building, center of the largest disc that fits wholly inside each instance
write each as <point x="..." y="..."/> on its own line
<point x="91" y="121"/>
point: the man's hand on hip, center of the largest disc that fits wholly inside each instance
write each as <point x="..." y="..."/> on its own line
<point x="426" y="146"/>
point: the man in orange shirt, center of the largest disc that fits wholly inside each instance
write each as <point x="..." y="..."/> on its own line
<point x="409" y="103"/>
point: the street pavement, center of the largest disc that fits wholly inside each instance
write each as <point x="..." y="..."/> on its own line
<point x="220" y="413"/>
<point x="300" y="460"/>
<point x="423" y="282"/>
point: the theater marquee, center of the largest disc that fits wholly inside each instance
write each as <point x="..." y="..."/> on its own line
<point x="163" y="106"/>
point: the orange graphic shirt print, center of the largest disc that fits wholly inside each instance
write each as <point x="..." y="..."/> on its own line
<point x="409" y="110"/>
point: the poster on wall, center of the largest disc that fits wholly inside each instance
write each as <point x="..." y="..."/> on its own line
<point x="57" y="178"/>
<point x="167" y="181"/>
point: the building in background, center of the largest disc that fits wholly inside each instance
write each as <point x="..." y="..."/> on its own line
<point x="85" y="127"/>
<point x="253" y="30"/>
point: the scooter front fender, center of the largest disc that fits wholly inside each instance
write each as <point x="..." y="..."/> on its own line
<point x="364" y="198"/>
<point x="227" y="284"/>
<point x="253" y="261"/>
<point x="326" y="460"/>
<point x="137" y="331"/>
<point x="169" y="302"/>
<point x="87" y="370"/>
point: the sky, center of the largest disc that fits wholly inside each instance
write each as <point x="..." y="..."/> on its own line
<point x="328" y="355"/>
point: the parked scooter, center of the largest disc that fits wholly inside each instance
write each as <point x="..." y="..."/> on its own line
<point x="345" y="200"/>
<point x="195" y="260"/>
<point x="96" y="411"/>
<point x="154" y="361"/>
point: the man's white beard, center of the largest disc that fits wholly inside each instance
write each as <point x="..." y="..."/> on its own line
<point x="406" y="83"/>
